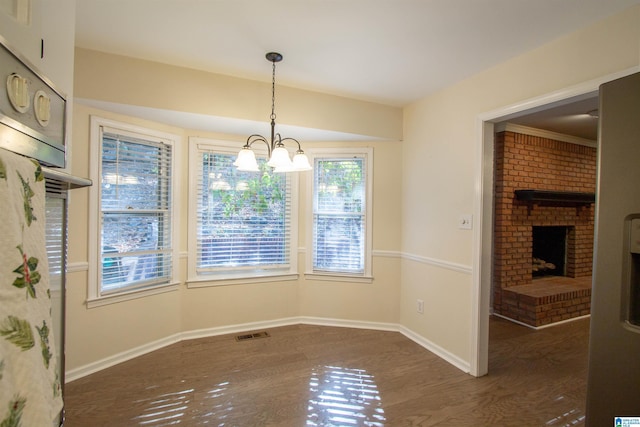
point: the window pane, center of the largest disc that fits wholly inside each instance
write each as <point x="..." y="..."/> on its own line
<point x="243" y="217"/>
<point x="133" y="250"/>
<point x="339" y="244"/>
<point x="134" y="232"/>
<point x="120" y="271"/>
<point x="340" y="185"/>
<point x="132" y="175"/>
<point x="339" y="215"/>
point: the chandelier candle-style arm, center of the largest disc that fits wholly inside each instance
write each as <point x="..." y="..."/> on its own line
<point x="278" y="155"/>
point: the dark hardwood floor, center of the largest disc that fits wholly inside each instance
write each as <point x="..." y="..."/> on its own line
<point x="325" y="376"/>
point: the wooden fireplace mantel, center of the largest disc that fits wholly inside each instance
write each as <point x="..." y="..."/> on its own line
<point x="555" y="198"/>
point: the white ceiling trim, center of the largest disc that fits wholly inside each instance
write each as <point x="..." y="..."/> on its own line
<point x="526" y="130"/>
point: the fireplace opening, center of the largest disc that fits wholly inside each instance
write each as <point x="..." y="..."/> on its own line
<point x="549" y="251"/>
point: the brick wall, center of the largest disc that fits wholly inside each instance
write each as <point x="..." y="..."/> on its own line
<point x="531" y="162"/>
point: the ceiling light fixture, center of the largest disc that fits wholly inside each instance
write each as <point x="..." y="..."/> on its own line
<point x="277" y="153"/>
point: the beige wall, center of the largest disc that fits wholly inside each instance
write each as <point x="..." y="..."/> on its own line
<point x="107" y="333"/>
<point x="421" y="187"/>
<point x="441" y="159"/>
<point x="137" y="82"/>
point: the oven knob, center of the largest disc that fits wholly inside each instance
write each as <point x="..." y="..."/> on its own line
<point x="42" y="108"/>
<point x="18" y="92"/>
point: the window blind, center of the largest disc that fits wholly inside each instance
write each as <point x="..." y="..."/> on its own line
<point x="136" y="249"/>
<point x="243" y="218"/>
<point x="339" y="218"/>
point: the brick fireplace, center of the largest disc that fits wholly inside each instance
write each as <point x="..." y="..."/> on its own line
<point x="554" y="180"/>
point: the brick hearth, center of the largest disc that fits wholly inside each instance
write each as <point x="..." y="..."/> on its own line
<point x="547" y="300"/>
<point x="533" y="162"/>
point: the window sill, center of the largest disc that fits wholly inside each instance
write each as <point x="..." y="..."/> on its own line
<point x="205" y="282"/>
<point x="334" y="277"/>
<point x="133" y="294"/>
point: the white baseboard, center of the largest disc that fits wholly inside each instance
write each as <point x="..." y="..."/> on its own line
<point x="537" y="328"/>
<point x="82" y="371"/>
<point x="459" y="363"/>
<point x="240" y="327"/>
<point x="342" y="323"/>
<point x="98" y="365"/>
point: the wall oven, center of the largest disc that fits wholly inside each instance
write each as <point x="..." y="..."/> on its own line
<point x="33" y="117"/>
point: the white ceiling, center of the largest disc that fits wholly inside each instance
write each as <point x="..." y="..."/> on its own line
<point x="386" y="51"/>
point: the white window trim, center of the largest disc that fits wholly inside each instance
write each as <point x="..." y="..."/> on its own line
<point x="195" y="280"/>
<point x="367" y="276"/>
<point x="94" y="296"/>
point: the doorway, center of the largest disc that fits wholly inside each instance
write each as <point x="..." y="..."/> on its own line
<point x="547" y="107"/>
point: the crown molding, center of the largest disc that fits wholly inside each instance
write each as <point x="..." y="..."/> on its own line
<point x="526" y="130"/>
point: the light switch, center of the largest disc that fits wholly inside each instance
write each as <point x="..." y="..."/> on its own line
<point x="465" y="222"/>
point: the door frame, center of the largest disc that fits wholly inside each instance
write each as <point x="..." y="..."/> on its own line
<point x="482" y="258"/>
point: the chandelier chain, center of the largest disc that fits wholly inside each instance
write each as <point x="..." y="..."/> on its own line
<point x="273" y="92"/>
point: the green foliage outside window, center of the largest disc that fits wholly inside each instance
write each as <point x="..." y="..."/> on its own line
<point x="244" y="215"/>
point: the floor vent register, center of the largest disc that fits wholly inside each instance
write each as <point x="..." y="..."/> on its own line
<point x="246" y="337"/>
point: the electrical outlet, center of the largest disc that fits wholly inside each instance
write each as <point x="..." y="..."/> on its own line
<point x="420" y="306"/>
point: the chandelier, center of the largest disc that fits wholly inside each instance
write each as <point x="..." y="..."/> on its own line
<point x="277" y="153"/>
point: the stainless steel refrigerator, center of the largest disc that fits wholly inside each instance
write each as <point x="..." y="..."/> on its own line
<point x="613" y="391"/>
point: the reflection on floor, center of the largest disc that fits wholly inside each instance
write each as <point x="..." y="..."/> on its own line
<point x="343" y="396"/>
<point x="307" y="375"/>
